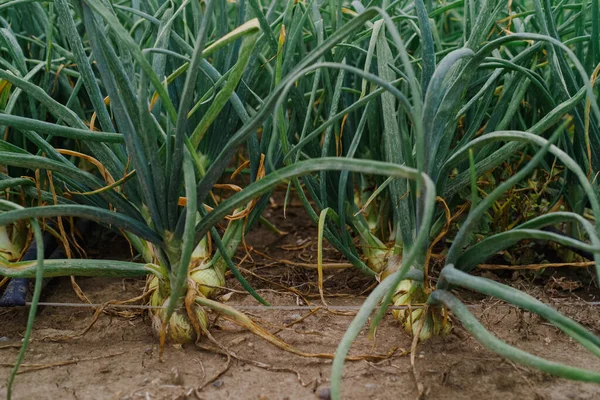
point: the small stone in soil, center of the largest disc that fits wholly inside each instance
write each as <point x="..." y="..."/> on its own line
<point x="324" y="393"/>
<point x="371" y="386"/>
<point x="218" y="384"/>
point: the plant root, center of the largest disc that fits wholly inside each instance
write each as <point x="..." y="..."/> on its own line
<point x="243" y="320"/>
<point x="25" y="368"/>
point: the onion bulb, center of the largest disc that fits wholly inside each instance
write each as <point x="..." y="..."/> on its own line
<point x="12" y="241"/>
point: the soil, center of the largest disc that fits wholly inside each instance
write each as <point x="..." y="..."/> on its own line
<point x="118" y="358"/>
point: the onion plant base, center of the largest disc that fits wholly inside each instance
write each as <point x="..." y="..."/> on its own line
<point x="181" y="327"/>
<point x="186" y="322"/>
<point x="205" y="276"/>
<point x="412" y="293"/>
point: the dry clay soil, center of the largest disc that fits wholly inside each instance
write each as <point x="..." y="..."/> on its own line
<point x="118" y="358"/>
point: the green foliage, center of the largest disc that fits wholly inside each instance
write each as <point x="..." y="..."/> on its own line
<point x="368" y="110"/>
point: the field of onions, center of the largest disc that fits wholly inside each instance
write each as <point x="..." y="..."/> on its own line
<point x="264" y="199"/>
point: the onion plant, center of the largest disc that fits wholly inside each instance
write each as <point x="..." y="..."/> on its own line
<point x="160" y="96"/>
<point x="145" y="171"/>
<point x="443" y="112"/>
